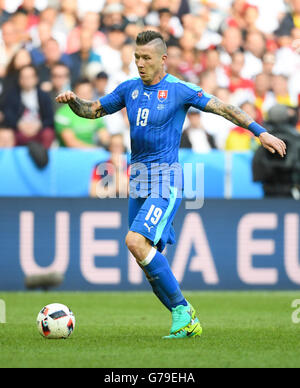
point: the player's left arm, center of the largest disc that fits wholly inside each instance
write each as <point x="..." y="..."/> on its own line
<point x="242" y="119"/>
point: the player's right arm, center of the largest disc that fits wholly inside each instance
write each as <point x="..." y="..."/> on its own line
<point x="82" y="108"/>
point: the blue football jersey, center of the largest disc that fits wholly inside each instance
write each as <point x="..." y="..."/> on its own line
<point x="156" y="114"/>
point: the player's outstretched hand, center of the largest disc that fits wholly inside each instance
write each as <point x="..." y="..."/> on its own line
<point x="273" y="144"/>
<point x="65" y="98"/>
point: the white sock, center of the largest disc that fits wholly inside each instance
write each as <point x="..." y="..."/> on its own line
<point x="149" y="258"/>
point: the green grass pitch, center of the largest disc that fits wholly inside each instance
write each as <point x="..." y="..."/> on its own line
<point x="246" y="329"/>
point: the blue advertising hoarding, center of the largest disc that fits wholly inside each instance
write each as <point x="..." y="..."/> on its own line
<point x="226" y="245"/>
<point x="69" y="172"/>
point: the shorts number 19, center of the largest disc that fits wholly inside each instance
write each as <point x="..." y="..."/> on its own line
<point x="157" y="213"/>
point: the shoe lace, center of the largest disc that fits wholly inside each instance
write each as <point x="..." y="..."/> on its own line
<point x="177" y="313"/>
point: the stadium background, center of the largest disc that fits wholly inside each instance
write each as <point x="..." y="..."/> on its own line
<point x="241" y="51"/>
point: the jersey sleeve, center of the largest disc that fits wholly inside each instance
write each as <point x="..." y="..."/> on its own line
<point x="114" y="101"/>
<point x="195" y="96"/>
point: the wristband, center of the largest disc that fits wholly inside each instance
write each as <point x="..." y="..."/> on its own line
<point x="256" y="129"/>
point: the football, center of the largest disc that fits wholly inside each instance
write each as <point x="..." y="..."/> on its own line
<point x="56" y="321"/>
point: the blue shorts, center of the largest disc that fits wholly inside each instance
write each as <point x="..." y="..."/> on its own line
<point x="153" y="218"/>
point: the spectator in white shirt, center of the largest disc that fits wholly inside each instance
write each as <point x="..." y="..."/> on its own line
<point x="195" y="137"/>
<point x="111" y="52"/>
<point x="255" y="49"/>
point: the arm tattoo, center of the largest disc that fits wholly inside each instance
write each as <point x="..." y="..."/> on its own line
<point x="87" y="109"/>
<point x="229" y="112"/>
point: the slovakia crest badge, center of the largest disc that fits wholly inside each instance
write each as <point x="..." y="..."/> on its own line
<point x="162" y="95"/>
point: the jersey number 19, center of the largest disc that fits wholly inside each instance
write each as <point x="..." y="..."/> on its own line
<point x="142" y="117"/>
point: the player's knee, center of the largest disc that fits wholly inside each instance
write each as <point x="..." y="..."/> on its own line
<point x="132" y="241"/>
<point x="136" y="244"/>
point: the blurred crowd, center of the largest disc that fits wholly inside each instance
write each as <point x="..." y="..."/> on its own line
<point x="245" y="52"/>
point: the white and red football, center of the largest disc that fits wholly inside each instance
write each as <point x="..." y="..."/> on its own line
<point x="56" y="321"/>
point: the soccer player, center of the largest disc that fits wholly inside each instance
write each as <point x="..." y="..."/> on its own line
<point x="157" y="104"/>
